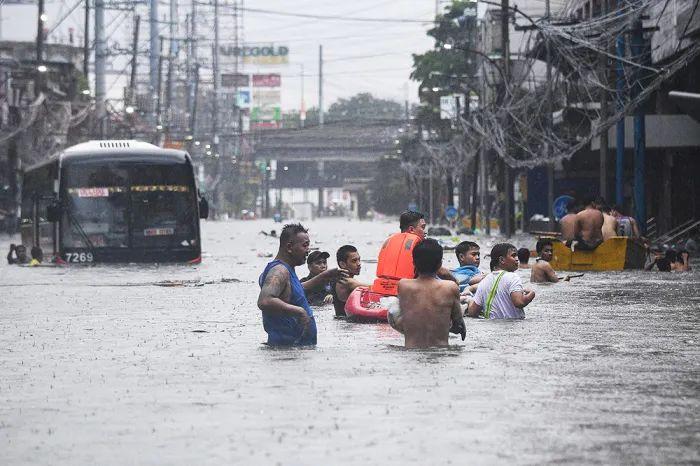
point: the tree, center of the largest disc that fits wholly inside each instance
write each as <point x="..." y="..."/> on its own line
<point x="364" y="106"/>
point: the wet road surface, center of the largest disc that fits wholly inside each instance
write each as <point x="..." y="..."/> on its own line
<point x="108" y="365"/>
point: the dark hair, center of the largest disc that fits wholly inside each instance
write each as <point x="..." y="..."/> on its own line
<point x="409" y="218"/>
<point x="427" y="256"/>
<point x="290" y="231"/>
<point x="663" y="264"/>
<point x="37" y="253"/>
<point x="671" y="255"/>
<point x="571" y="205"/>
<point x="542" y="243"/>
<point x="498" y="251"/>
<point x="464" y="247"/>
<point x="589" y="200"/>
<point x="342" y="254"/>
<point x="524" y="255"/>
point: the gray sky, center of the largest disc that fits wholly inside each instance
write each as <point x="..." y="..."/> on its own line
<point x="358" y="56"/>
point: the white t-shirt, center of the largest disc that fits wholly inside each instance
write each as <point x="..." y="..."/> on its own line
<point x="502" y="306"/>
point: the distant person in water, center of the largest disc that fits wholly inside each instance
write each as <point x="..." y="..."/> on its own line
<point x="17" y="254"/>
<point x="542" y="271"/>
<point x="469" y="258"/>
<point x="287" y="316"/>
<point x="349" y="260"/>
<point x="626" y="226"/>
<point x="429" y="307"/>
<point x="317" y="262"/>
<point x="524" y="258"/>
<point x="501" y="294"/>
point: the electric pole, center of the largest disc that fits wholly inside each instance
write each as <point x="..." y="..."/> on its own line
<point x="508" y="226"/>
<point x="320" y="85"/>
<point x="134" y="59"/>
<point x="603" y="164"/>
<point x="548" y="122"/>
<point x="100" y="52"/>
<point x="86" y="41"/>
<point x="41" y="16"/>
<point x="154" y="55"/>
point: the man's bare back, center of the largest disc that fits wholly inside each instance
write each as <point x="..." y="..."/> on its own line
<point x="542" y="272"/>
<point x="609" y="226"/>
<point x="567" y="225"/>
<point x="428" y="308"/>
<point x="589" y="223"/>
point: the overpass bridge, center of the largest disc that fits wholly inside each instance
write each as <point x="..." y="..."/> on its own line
<point x="328" y="156"/>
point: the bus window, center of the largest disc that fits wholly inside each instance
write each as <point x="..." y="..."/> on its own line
<point x="97" y="202"/>
<point x="163" y="206"/>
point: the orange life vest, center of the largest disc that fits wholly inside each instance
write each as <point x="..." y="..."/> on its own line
<point x="395" y="262"/>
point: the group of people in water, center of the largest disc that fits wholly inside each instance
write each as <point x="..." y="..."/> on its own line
<point x="432" y="300"/>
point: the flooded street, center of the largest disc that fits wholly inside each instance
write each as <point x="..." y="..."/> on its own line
<point x="165" y="364"/>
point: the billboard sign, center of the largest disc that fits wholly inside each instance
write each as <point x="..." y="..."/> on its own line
<point x="234" y="80"/>
<point x="266" y="105"/>
<point x="267" y="80"/>
<point x="258" y="55"/>
<point x="243" y="99"/>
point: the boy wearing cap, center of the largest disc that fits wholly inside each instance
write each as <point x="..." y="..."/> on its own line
<point x="317" y="263"/>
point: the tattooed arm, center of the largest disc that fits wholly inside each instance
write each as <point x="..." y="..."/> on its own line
<point x="274" y="290"/>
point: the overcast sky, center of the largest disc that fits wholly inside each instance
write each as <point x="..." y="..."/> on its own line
<point x="358" y="56"/>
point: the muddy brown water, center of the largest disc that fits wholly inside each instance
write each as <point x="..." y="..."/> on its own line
<point x="165" y="364"/>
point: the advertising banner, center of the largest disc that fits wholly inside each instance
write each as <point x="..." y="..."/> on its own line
<point x="267" y="80"/>
<point x="258" y="55"/>
<point x="234" y="80"/>
<point x="266" y="105"/>
<point x="243" y="99"/>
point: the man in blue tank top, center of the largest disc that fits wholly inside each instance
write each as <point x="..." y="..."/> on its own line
<point x="287" y="316"/>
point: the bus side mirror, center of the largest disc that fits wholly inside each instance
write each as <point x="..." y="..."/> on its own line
<point x="53" y="212"/>
<point x="203" y="208"/>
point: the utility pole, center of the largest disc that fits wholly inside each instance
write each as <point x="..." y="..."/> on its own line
<point x="508" y="226"/>
<point x="134" y="58"/>
<point x="100" y="52"/>
<point x="548" y="122"/>
<point x="320" y="85"/>
<point x="172" y="51"/>
<point x="159" y="84"/>
<point x="39" y="82"/>
<point x="86" y="41"/>
<point x="302" y="109"/>
<point x="154" y="55"/>
<point x="603" y="163"/>
<point x="193" y="111"/>
<point x="637" y="46"/>
<point x="193" y="82"/>
<point x="620" y="127"/>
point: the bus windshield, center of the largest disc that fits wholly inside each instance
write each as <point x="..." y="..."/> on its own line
<point x="119" y="205"/>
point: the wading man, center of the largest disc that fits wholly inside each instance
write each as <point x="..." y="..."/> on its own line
<point x="287" y="316"/>
<point x="429" y="306"/>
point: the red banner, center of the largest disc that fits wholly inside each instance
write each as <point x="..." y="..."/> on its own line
<point x="267" y="80"/>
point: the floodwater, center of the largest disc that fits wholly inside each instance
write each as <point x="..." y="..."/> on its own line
<point x="104" y="365"/>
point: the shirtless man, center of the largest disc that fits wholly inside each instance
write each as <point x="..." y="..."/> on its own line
<point x="429" y="306"/>
<point x="542" y="272"/>
<point x="589" y="227"/>
<point x="287" y="317"/>
<point x="609" y="222"/>
<point x="348" y="259"/>
<point x="567" y="224"/>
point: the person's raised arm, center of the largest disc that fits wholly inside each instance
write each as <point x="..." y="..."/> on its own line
<point x="324" y="277"/>
<point x="10" y="259"/>
<point x="476" y="278"/>
<point x="270" y="298"/>
<point x="444" y="274"/>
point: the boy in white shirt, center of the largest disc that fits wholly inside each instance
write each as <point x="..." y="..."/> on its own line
<point x="501" y="294"/>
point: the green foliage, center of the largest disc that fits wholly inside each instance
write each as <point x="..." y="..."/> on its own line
<point x="364" y="106"/>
